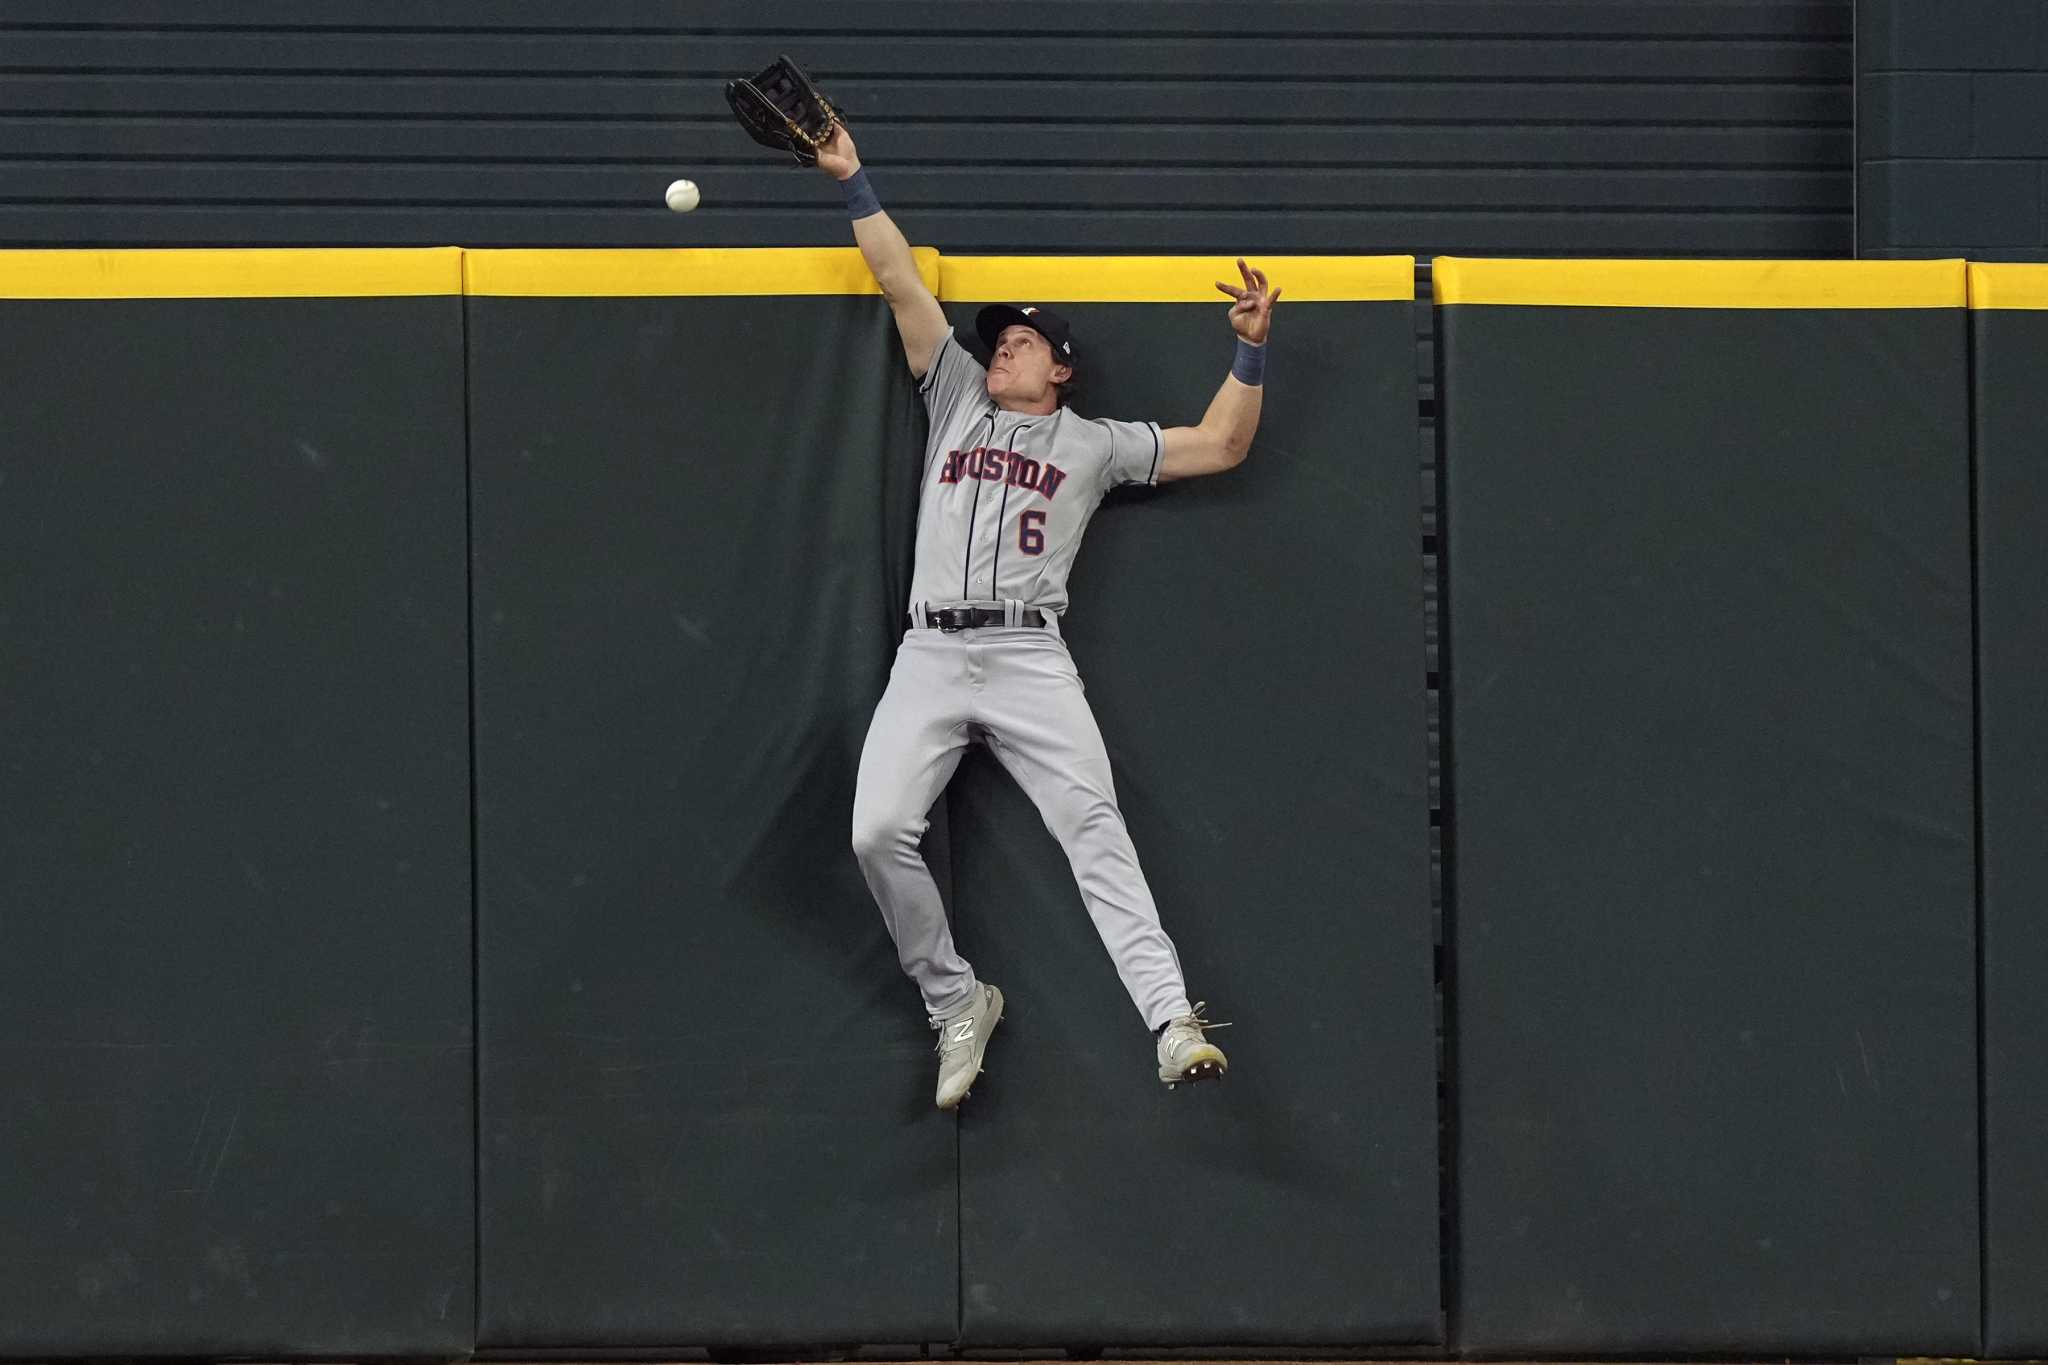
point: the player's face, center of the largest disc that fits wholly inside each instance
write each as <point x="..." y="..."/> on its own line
<point x="1022" y="367"/>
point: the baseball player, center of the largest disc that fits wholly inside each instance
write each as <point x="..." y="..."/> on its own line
<point x="1011" y="477"/>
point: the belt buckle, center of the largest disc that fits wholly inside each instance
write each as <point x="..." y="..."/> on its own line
<point x="950" y="620"/>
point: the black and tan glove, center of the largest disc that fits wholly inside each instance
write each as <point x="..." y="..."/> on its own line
<point x="780" y="108"/>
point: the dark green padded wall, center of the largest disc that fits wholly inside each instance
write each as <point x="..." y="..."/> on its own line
<point x="706" y="1086"/>
<point x="1710" y="856"/>
<point x="234" y="855"/>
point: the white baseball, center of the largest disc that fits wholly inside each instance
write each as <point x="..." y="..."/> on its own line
<point x="682" y="196"/>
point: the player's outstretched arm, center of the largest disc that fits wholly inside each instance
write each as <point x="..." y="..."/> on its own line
<point x="1225" y="435"/>
<point x="919" y="319"/>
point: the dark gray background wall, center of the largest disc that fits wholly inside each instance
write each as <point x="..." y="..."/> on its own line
<point x="1683" y="127"/>
<point x="1952" y="129"/>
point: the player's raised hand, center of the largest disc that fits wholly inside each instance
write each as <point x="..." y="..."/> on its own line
<point x="1252" y="315"/>
<point x="837" y="157"/>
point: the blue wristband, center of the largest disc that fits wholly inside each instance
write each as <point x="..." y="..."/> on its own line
<point x="860" y="196"/>
<point x="1250" y="365"/>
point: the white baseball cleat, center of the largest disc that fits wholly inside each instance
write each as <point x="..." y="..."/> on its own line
<point x="963" y="1037"/>
<point x="1185" y="1055"/>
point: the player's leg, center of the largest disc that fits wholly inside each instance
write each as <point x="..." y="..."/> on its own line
<point x="1042" y="730"/>
<point x="914" y="744"/>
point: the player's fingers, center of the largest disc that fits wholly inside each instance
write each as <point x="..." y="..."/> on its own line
<point x="1275" y="299"/>
<point x="1250" y="275"/>
<point x="1233" y="292"/>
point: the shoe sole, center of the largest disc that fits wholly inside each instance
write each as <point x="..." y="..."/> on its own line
<point x="1205" y="1068"/>
<point x="987" y="1031"/>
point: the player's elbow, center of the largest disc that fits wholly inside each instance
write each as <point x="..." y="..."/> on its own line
<point x="900" y="283"/>
<point x="1228" y="450"/>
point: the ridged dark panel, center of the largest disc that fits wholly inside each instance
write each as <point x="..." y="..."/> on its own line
<point x="1003" y="100"/>
<point x="1723" y="18"/>
<point x="1475" y="126"/>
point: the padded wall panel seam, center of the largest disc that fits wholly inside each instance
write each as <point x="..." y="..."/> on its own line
<point x="2011" y="351"/>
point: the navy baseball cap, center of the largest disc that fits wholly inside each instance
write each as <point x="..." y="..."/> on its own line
<point x="990" y="322"/>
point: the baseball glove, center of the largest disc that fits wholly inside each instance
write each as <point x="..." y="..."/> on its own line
<point x="780" y="108"/>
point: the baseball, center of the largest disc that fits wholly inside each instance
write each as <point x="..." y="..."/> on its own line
<point x="682" y="196"/>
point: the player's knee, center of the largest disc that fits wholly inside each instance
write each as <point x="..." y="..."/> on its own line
<point x="879" y="833"/>
<point x="870" y="838"/>
<point x="1092" y="821"/>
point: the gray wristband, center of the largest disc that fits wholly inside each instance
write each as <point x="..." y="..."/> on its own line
<point x="860" y="196"/>
<point x="1249" y="367"/>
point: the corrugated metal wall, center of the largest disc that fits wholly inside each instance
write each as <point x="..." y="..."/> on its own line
<point x="1696" y="127"/>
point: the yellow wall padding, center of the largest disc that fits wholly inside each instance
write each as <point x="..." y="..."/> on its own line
<point x="751" y="271"/>
<point x="2008" y="286"/>
<point x="203" y="273"/>
<point x="1169" y="279"/>
<point x="1701" y="284"/>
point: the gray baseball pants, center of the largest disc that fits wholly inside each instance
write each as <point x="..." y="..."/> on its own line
<point x="1016" y="690"/>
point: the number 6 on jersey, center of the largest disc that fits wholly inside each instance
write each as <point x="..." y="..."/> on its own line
<point x="1031" y="532"/>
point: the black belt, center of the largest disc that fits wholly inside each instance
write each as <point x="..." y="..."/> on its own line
<point x="967" y="618"/>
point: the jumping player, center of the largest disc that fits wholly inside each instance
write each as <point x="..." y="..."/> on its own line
<point x="1011" y="478"/>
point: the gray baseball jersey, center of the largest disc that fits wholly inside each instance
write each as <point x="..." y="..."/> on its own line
<point x="1007" y="495"/>
<point x="1004" y="501"/>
